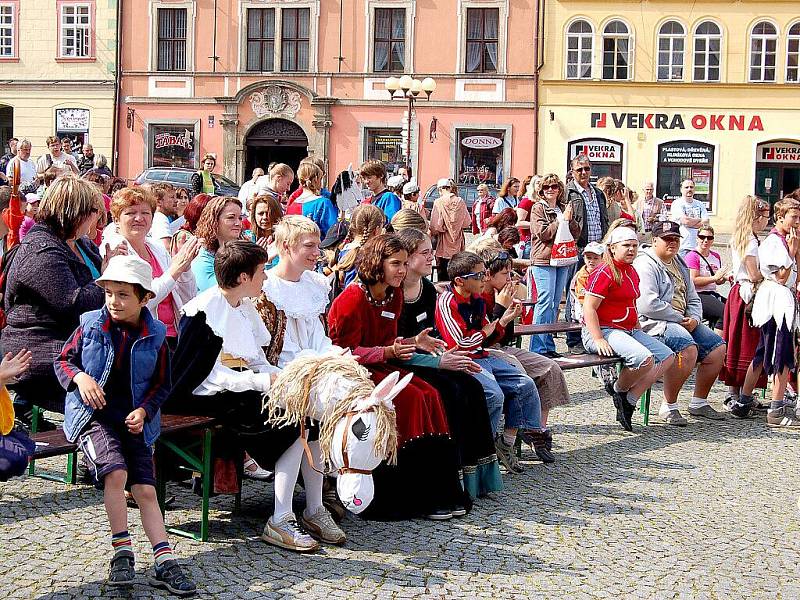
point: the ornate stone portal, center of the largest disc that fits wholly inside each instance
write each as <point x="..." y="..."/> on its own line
<point x="275" y="100"/>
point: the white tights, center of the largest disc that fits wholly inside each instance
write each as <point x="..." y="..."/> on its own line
<point x="286" y="470"/>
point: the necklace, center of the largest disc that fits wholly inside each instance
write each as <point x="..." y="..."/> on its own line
<point x="409" y="299"/>
<point x="373" y="301"/>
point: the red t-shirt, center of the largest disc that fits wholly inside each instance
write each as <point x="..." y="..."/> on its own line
<point x="618" y="308"/>
<point x="526" y="204"/>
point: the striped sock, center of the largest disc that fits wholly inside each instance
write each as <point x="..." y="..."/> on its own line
<point x="162" y="552"/>
<point x="121" y="542"/>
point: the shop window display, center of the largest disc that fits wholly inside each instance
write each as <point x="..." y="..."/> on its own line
<point x="480" y="158"/>
<point x="686" y="159"/>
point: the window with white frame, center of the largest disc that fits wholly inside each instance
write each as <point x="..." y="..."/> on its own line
<point x="7" y="25"/>
<point x="295" y="35"/>
<point x="260" y="39"/>
<point x="389" y="40"/>
<point x="76" y="25"/>
<point x="671" y="46"/>
<point x="172" y="30"/>
<point x="793" y="54"/>
<point x="482" y="40"/>
<point x="763" y="52"/>
<point x="707" y="51"/>
<point x="617" y="51"/>
<point x="580" y="44"/>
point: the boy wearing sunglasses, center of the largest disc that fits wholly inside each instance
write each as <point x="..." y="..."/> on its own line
<point x="462" y="320"/>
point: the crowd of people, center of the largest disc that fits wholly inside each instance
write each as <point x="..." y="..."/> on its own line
<point x="122" y="301"/>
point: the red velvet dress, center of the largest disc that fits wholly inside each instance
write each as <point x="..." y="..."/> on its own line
<point x="426" y="477"/>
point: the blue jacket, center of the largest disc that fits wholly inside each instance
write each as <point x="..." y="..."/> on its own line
<point x="91" y="350"/>
<point x="388" y="202"/>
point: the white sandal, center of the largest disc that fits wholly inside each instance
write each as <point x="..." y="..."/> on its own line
<point x="258" y="473"/>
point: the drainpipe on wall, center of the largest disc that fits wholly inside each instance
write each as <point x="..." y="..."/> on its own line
<point x="536" y="66"/>
<point x="117" y="82"/>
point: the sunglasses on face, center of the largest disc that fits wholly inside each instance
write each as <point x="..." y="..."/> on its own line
<point x="552" y="186"/>
<point x="705" y="237"/>
<point x="583" y="170"/>
<point x="479" y="276"/>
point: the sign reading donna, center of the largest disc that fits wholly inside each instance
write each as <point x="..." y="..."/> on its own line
<point x="596" y="150"/>
<point x="167" y="139"/>
<point x="699" y="121"/>
<point x="779" y="152"/>
<point x="481" y="142"/>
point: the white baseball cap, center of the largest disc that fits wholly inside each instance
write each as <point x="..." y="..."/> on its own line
<point x="411" y="187"/>
<point x="444" y="182"/>
<point x="622" y="234"/>
<point x="594" y="248"/>
<point x="395" y="180"/>
<point x="128" y="269"/>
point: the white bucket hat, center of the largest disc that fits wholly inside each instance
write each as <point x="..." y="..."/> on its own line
<point x="128" y="269"/>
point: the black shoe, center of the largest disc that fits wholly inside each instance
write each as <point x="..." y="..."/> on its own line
<point x="553" y="354"/>
<point x="627" y="410"/>
<point x="458" y="511"/>
<point x="544" y="455"/>
<point x="577" y="349"/>
<point x="171" y="577"/>
<point x="538" y="441"/>
<point x="441" y="514"/>
<point x="548" y="439"/>
<point x="742" y="411"/>
<point x="122" y="571"/>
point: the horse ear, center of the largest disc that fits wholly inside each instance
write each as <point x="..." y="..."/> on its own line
<point x="398" y="387"/>
<point x="384" y="388"/>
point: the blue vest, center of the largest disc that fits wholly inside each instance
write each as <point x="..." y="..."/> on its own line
<point x="97" y="359"/>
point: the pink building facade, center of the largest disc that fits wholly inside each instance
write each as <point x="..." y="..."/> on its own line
<point x="298" y="77"/>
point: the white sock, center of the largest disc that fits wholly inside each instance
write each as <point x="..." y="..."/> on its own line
<point x="665" y="407"/>
<point x="696" y="402"/>
<point x="286" y="469"/>
<point x="312" y="479"/>
<point x="632" y="398"/>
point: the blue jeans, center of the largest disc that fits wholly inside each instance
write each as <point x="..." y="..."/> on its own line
<point x="678" y="338"/>
<point x="550" y="284"/>
<point x="511" y="392"/>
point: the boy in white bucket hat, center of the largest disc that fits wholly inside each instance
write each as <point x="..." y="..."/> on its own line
<point x="113" y="411"/>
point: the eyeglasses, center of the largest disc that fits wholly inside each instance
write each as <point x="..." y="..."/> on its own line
<point x="552" y="186"/>
<point x="583" y="170"/>
<point x="479" y="276"/>
<point x="705" y="237"/>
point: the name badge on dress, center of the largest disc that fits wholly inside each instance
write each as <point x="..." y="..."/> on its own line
<point x="421" y="317"/>
<point x="387" y="314"/>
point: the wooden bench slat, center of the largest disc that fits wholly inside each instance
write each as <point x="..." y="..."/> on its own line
<point x="559" y="327"/>
<point x="582" y="361"/>
<point x="175" y="423"/>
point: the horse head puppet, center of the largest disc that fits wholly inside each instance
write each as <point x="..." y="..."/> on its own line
<point x="358" y="427"/>
<point x="345" y="193"/>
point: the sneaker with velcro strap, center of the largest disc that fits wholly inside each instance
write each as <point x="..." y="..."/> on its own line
<point x="783" y="418"/>
<point x="506" y="455"/>
<point x="171" y="577"/>
<point x="122" y="571"/>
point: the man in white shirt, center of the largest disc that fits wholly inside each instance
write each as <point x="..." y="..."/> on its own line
<point x="690" y="214"/>
<point x="166" y="210"/>
<point x="56" y="157"/>
<point x="248" y="189"/>
<point x="23" y="157"/>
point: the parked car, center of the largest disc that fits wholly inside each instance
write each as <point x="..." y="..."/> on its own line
<point x="468" y="192"/>
<point x="182" y="178"/>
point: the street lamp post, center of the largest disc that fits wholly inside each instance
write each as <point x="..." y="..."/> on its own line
<point x="409" y="89"/>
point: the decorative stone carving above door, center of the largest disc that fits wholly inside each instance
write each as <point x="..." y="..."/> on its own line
<point x="274" y="100"/>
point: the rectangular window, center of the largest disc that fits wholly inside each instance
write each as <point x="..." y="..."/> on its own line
<point x="7" y="30"/>
<point x="171" y="39"/>
<point x="389" y="40"/>
<point x="706" y="59"/>
<point x="615" y="58"/>
<point x="76" y="25"/>
<point x="172" y="146"/>
<point x="260" y="39"/>
<point x="793" y="59"/>
<point x="385" y="145"/>
<point x="294" y="39"/>
<point x="482" y="37"/>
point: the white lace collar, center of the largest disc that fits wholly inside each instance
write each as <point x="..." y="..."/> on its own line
<point x="304" y="299"/>
<point x="242" y="331"/>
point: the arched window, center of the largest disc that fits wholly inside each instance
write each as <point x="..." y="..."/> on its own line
<point x="793" y="54"/>
<point x="580" y="43"/>
<point x="617" y="52"/>
<point x="671" y="45"/>
<point x="763" y="48"/>
<point x="707" y="51"/>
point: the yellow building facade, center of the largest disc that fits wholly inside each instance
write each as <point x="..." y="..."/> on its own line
<point x="663" y="91"/>
<point x="57" y="67"/>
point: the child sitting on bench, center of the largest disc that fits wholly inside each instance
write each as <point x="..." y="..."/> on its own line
<point x="113" y="410"/>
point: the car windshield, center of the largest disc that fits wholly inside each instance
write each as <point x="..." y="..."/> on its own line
<point x="179" y="176"/>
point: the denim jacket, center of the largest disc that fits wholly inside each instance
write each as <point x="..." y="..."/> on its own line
<point x="91" y="350"/>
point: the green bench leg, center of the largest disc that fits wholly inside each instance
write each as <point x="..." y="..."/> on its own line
<point x="644" y="406"/>
<point x="71" y="476"/>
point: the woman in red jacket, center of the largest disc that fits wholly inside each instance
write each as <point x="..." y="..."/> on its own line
<point x="364" y="318"/>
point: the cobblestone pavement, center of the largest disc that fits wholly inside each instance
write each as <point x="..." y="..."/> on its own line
<point x="706" y="511"/>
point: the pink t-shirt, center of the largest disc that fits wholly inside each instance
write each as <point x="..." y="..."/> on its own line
<point x="166" y="308"/>
<point x="695" y="261"/>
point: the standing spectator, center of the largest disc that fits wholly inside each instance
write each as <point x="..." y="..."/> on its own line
<point x="31" y="208"/>
<point x="66" y="146"/>
<point x="101" y="167"/>
<point x="203" y="180"/>
<point x="449" y="218"/>
<point x="670" y="309"/>
<point x="523" y="209"/>
<point x="181" y="202"/>
<point x="547" y="214"/>
<point x="165" y="213"/>
<point x="707" y="272"/>
<point x="507" y="198"/>
<point x="6" y="158"/>
<point x="589" y="206"/>
<point x="264" y="216"/>
<point x="191" y="215"/>
<point x="611" y="325"/>
<point x="26" y="165"/>
<point x="373" y="174"/>
<point x="482" y="209"/>
<point x="247" y="191"/>
<point x="690" y="214"/>
<point x="650" y="209"/>
<point x="56" y="157"/>
<point x="412" y="200"/>
<point x="49" y="284"/>
<point x="86" y="160"/>
<point x="310" y="203"/>
<point x="741" y="337"/>
<point x="276" y="183"/>
<point x="220" y="222"/>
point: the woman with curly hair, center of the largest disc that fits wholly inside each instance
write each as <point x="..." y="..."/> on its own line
<point x="220" y="222"/>
<point x="507" y="198"/>
<point x="425" y="481"/>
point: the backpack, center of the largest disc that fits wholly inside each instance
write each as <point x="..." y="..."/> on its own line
<point x="5" y="265"/>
